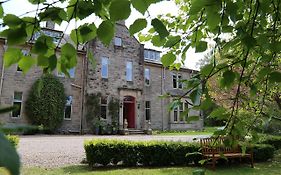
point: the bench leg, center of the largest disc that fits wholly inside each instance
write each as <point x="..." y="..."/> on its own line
<point x="213" y="164"/>
<point x="252" y="162"/>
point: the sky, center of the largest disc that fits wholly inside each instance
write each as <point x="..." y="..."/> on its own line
<point x="20" y="7"/>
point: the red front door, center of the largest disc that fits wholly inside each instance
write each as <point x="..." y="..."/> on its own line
<point x="129" y="111"/>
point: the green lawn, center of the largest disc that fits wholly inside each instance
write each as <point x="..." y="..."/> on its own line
<point x="206" y="131"/>
<point x="260" y="169"/>
<point x="267" y="168"/>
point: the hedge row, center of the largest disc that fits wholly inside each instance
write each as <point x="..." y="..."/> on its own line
<point x="153" y="153"/>
<point x="145" y="153"/>
<point x="275" y="141"/>
<point x="14" y="140"/>
<point x="263" y="152"/>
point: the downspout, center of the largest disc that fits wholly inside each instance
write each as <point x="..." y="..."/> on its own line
<point x="2" y="73"/>
<point x="162" y="103"/>
<point x="84" y="69"/>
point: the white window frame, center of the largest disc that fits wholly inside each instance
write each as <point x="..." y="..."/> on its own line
<point x="147" y="76"/>
<point x="179" y="84"/>
<point x="178" y="110"/>
<point x="129" y="70"/>
<point x="151" y="55"/>
<point x="19" y="101"/>
<point x="106" y="59"/>
<point x="117" y="41"/>
<point x="70" y="108"/>
<point x="62" y="75"/>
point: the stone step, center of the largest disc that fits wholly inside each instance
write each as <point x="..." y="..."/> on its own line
<point x="135" y="131"/>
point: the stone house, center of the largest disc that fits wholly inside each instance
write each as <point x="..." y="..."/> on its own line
<point x="124" y="71"/>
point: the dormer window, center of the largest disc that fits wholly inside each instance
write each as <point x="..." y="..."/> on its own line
<point x="151" y="55"/>
<point x="117" y="41"/>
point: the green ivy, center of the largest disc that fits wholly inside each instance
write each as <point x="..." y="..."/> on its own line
<point x="45" y="103"/>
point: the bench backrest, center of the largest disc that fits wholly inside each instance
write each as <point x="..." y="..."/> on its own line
<point x="216" y="145"/>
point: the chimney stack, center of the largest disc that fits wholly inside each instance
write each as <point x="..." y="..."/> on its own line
<point x="50" y="25"/>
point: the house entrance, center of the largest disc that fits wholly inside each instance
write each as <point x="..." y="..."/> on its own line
<point x="129" y="111"/>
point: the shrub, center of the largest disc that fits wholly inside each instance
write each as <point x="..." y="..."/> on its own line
<point x="14" y="140"/>
<point x="45" y="103"/>
<point x="275" y="141"/>
<point x="153" y="153"/>
<point x="263" y="152"/>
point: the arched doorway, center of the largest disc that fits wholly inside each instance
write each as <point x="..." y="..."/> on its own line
<point x="129" y="111"/>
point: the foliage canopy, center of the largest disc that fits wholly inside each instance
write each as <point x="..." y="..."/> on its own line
<point x="246" y="36"/>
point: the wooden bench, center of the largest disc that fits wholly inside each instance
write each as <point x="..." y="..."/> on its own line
<point x="214" y="149"/>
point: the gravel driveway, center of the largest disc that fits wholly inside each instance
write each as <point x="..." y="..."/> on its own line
<point x="57" y="151"/>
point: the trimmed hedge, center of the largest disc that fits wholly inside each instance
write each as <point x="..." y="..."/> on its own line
<point x="14" y="140"/>
<point x="153" y="153"/>
<point x="129" y="153"/>
<point x="263" y="152"/>
<point x="275" y="141"/>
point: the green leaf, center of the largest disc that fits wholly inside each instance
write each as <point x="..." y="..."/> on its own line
<point x="207" y="69"/>
<point x="207" y="104"/>
<point x="159" y="28"/>
<point x="275" y="77"/>
<point x="42" y="61"/>
<point x="192" y="118"/>
<point x="105" y="32"/>
<point x="84" y="33"/>
<point x="43" y="44"/>
<point x="157" y="41"/>
<point x="219" y="113"/>
<point x="195" y="96"/>
<point x="213" y="19"/>
<point x="68" y="56"/>
<point x="137" y="26"/>
<point x="91" y="58"/>
<point x="227" y="79"/>
<point x="201" y="46"/>
<point x="253" y="90"/>
<point x="25" y="63"/>
<point x="12" y="56"/>
<point x="15" y="36"/>
<point x="1" y="11"/>
<point x="84" y="9"/>
<point x="12" y="20"/>
<point x="52" y="62"/>
<point x="54" y="14"/>
<point x="70" y="9"/>
<point x="142" y="5"/>
<point x="119" y="10"/>
<point x="9" y="157"/>
<point x="172" y="40"/>
<point x="7" y="109"/>
<point x="168" y="59"/>
<point x="36" y="1"/>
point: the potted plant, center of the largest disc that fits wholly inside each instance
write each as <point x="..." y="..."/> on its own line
<point x="96" y="126"/>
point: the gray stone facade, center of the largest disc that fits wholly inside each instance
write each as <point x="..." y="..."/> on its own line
<point x="118" y="73"/>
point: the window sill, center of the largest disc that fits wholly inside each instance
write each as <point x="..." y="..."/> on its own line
<point x="16" y="118"/>
<point x="67" y="119"/>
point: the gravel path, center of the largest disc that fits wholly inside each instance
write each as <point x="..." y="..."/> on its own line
<point x="56" y="151"/>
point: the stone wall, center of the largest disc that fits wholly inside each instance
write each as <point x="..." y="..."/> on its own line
<point x="16" y="81"/>
<point x="116" y="84"/>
